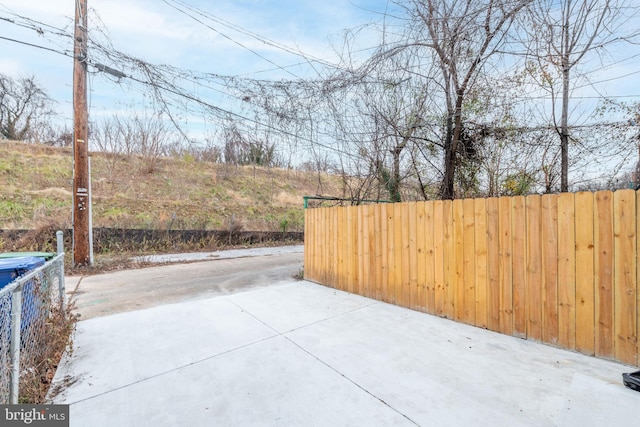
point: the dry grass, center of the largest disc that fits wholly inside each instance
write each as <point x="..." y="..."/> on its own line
<point x="36" y="381"/>
<point x="36" y="185"/>
<point x="286" y="198"/>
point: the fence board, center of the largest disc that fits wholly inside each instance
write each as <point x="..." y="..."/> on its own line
<point x="333" y="251"/>
<point x="449" y="258"/>
<point x="316" y="242"/>
<point x="332" y="247"/>
<point x="493" y="264"/>
<point x="566" y="271"/>
<point x="550" y="268"/>
<point x="534" y="268"/>
<point x="603" y="234"/>
<point x="469" y="276"/>
<point x="405" y="265"/>
<point x="395" y="235"/>
<point x="519" y="269"/>
<point x="366" y="252"/>
<point x="637" y="277"/>
<point x="337" y="247"/>
<point x="366" y="284"/>
<point x="361" y="250"/>
<point x="480" y="237"/>
<point x="368" y="235"/>
<point x="319" y="244"/>
<point x="421" y="257"/>
<point x="438" y="257"/>
<point x="506" y="279"/>
<point x="394" y="252"/>
<point x="351" y="249"/>
<point x="354" y="250"/>
<point x="327" y="247"/>
<point x="430" y="280"/>
<point x="585" y="297"/>
<point x="400" y="223"/>
<point x="625" y="326"/>
<point x="372" y="260"/>
<point x="309" y="234"/>
<point x="326" y="274"/>
<point x="458" y="260"/>
<point x="323" y="230"/>
<point x="414" y="296"/>
<point x="386" y="250"/>
<point x="342" y="248"/>
<point x="348" y="250"/>
<point x="388" y="253"/>
<point x="378" y="248"/>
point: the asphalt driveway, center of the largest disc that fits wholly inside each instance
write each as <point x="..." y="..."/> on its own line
<point x="214" y="273"/>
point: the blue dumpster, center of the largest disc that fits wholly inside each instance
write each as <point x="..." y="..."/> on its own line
<point x="12" y="268"/>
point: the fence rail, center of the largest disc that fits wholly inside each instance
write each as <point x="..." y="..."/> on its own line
<point x="26" y="305"/>
<point x="559" y="269"/>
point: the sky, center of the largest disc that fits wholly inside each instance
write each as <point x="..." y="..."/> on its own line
<point x="156" y="32"/>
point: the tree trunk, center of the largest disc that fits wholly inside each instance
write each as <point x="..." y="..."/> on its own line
<point x="564" y="133"/>
<point x="394" y="184"/>
<point x="564" y="119"/>
<point x="451" y="147"/>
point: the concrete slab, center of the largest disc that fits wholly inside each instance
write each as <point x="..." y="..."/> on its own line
<point x="438" y="372"/>
<point x="115" y="351"/>
<point x="298" y="304"/>
<point x="271" y="382"/>
<point x="303" y="354"/>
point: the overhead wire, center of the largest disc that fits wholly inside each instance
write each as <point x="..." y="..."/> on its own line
<point x="220" y="110"/>
<point x="229" y="38"/>
<point x="308" y="58"/>
<point x="36" y="46"/>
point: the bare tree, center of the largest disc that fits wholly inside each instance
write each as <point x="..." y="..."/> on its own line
<point x="152" y="136"/>
<point x="107" y="135"/>
<point x="23" y="107"/>
<point x="462" y="36"/>
<point x="53" y="134"/>
<point x="563" y="34"/>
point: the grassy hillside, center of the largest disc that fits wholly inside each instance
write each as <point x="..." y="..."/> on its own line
<point x="180" y="193"/>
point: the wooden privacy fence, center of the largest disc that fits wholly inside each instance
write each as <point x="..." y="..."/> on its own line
<point x="560" y="269"/>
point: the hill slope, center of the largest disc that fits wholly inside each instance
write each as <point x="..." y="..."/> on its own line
<point x="180" y="193"/>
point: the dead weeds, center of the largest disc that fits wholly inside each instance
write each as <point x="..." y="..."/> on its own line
<point x="36" y="380"/>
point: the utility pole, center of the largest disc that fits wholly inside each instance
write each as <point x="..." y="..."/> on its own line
<point x="81" y="199"/>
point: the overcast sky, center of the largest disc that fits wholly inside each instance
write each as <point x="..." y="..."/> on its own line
<point x="154" y="31"/>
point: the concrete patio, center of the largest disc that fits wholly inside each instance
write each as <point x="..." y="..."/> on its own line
<point x="297" y="353"/>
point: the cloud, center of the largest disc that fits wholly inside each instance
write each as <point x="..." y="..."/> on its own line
<point x="142" y="18"/>
<point x="155" y="32"/>
<point x="39" y="8"/>
<point x="11" y="67"/>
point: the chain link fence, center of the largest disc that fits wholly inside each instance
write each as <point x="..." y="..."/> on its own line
<point x="30" y="306"/>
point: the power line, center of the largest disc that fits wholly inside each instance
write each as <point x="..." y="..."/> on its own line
<point x="175" y="90"/>
<point x="229" y="38"/>
<point x="307" y="57"/>
<point x="36" y="46"/>
<point x="248" y="119"/>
